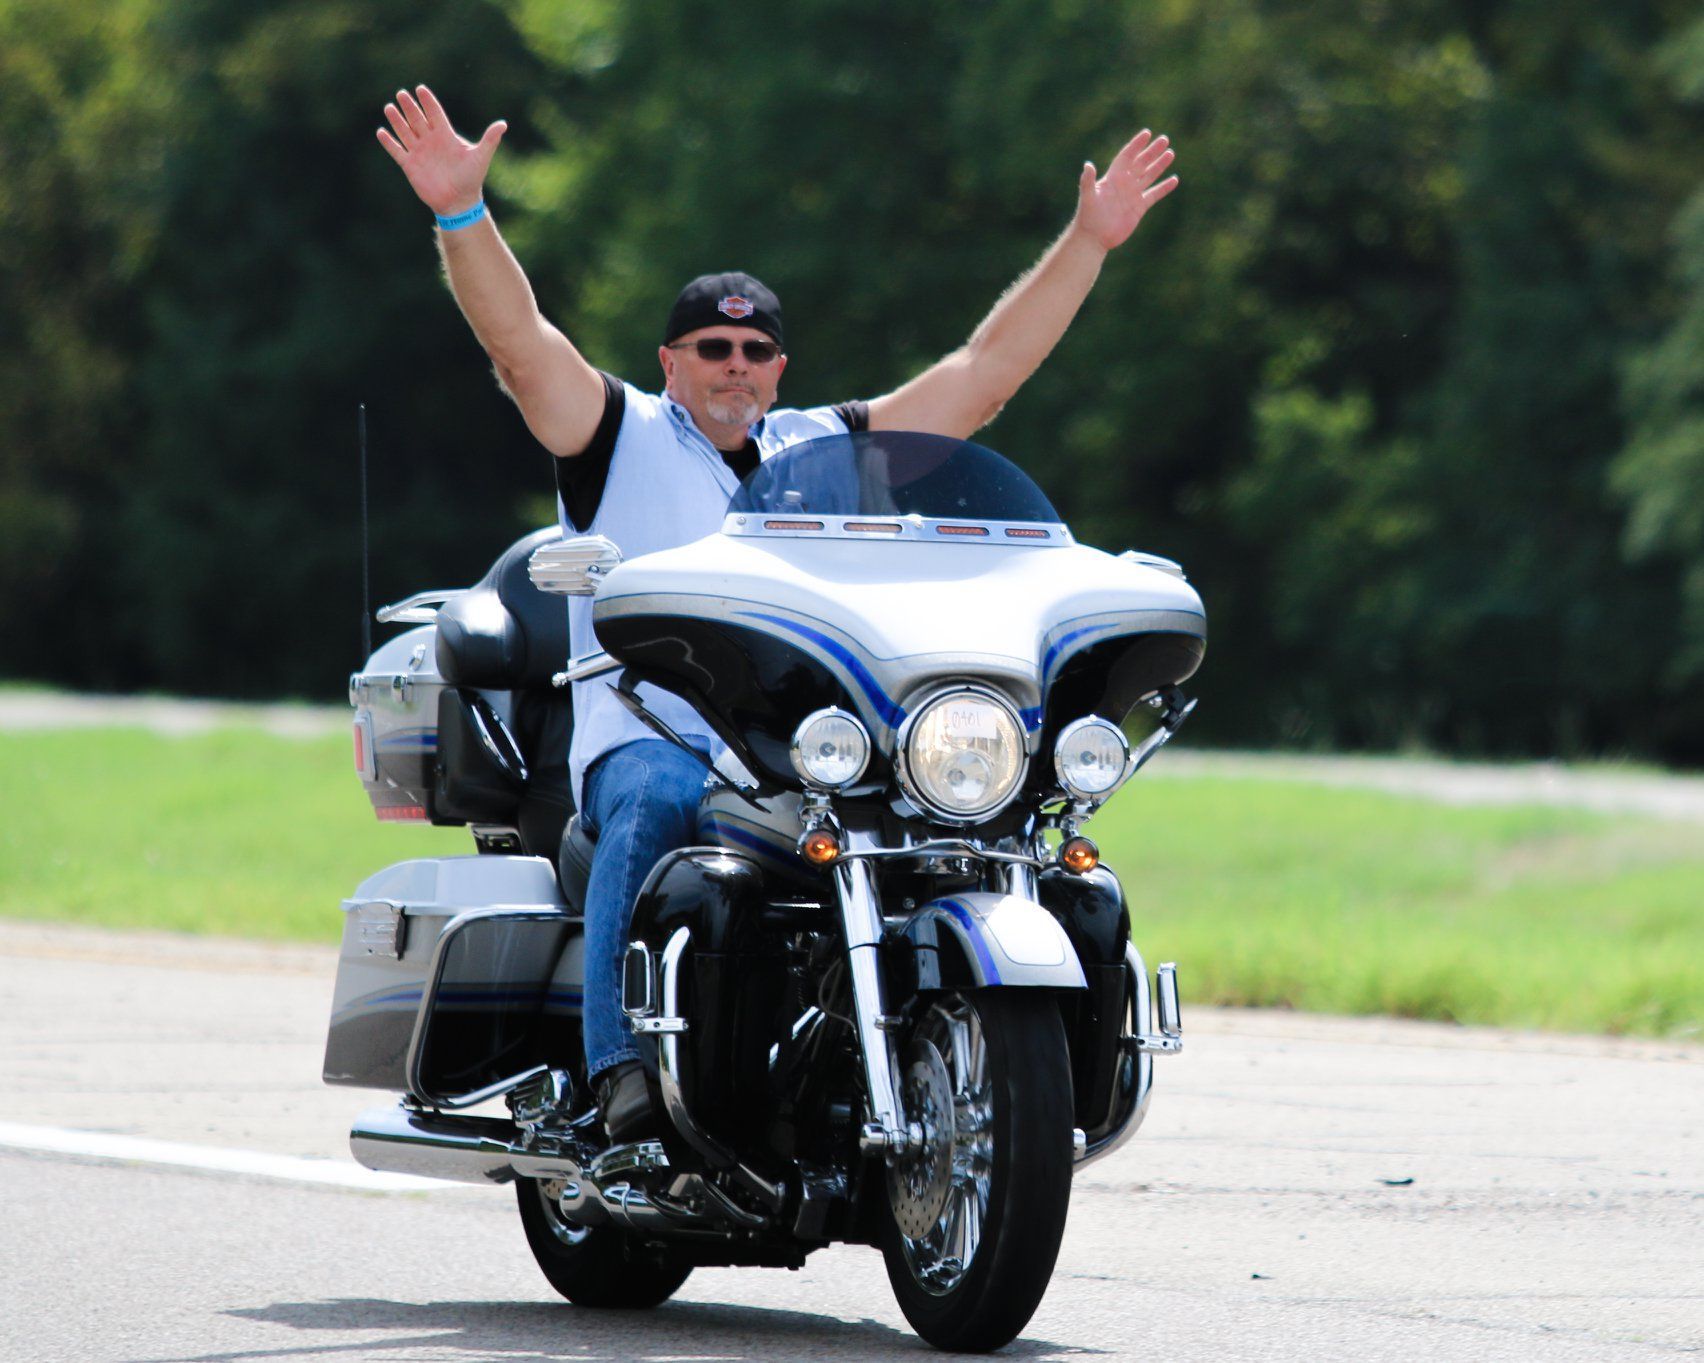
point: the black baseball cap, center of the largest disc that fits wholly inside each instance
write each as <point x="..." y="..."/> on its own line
<point x="719" y="300"/>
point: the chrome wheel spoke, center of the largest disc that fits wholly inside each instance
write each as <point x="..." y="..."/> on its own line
<point x="946" y="1184"/>
<point x="970" y="1223"/>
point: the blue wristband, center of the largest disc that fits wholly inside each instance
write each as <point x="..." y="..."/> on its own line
<point x="462" y="220"/>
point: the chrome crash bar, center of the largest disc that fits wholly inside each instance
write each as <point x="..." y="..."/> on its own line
<point x="1136" y="1064"/>
<point x="657" y="1012"/>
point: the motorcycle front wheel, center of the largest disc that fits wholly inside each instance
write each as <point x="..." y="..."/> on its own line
<point x="594" y="1266"/>
<point x="977" y="1211"/>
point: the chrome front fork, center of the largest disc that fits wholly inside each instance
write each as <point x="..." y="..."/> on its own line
<point x="885" y="1132"/>
<point x="1020" y="879"/>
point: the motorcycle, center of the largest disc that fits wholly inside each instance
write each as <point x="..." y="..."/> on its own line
<point x="890" y="997"/>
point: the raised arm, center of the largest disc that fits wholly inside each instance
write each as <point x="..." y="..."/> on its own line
<point x="559" y="394"/>
<point x="964" y="391"/>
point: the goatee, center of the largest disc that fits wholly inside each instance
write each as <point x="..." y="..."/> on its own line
<point x="733" y="409"/>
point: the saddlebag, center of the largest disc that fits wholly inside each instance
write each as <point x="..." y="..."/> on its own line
<point x="456" y="975"/>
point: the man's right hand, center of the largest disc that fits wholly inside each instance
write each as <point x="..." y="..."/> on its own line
<point x="559" y="394"/>
<point x="446" y="170"/>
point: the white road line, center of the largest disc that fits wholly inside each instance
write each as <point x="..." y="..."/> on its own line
<point x="137" y="1150"/>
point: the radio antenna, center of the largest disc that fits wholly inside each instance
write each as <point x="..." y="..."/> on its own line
<point x="366" y="556"/>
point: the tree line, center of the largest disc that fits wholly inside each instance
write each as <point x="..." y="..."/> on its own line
<point x="1409" y="373"/>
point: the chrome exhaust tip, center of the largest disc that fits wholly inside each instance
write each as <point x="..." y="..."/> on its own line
<point x="404" y="1140"/>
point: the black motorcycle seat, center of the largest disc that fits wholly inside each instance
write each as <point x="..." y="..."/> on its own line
<point x="503" y="633"/>
<point x="574" y="863"/>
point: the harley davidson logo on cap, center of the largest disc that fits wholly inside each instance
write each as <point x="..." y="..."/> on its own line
<point x="736" y="305"/>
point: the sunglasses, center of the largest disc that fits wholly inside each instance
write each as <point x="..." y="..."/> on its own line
<point x="717" y="348"/>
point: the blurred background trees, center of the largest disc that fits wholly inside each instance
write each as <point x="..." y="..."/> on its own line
<point x="1409" y="374"/>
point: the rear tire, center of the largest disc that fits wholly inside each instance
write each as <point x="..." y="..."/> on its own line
<point x="599" y="1267"/>
<point x="975" y="1220"/>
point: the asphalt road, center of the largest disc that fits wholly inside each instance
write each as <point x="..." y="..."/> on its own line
<point x="1305" y="1188"/>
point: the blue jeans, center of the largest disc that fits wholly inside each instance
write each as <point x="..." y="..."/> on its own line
<point x="641" y="800"/>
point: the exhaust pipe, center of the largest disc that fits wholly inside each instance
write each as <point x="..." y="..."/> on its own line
<point x="460" y="1149"/>
<point x="403" y="1140"/>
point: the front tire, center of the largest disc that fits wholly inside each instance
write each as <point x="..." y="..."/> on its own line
<point x="976" y="1216"/>
<point x="600" y="1267"/>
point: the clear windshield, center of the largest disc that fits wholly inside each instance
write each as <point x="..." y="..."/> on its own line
<point x="893" y="473"/>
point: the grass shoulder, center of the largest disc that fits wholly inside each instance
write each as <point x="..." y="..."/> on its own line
<point x="1276" y="893"/>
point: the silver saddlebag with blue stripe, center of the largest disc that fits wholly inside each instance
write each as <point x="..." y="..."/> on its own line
<point x="457" y="974"/>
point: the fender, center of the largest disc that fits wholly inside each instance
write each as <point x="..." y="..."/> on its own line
<point x="987" y="940"/>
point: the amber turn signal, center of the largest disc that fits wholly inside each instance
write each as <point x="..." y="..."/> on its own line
<point x="819" y="847"/>
<point x="1079" y="855"/>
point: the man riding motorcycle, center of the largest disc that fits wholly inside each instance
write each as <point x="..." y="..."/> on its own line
<point x="653" y="471"/>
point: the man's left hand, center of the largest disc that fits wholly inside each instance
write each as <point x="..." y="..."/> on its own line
<point x="1110" y="207"/>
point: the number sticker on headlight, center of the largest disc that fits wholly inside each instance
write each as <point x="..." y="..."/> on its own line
<point x="970" y="721"/>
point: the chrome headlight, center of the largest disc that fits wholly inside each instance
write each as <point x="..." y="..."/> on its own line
<point x="830" y="749"/>
<point x="1090" y="757"/>
<point x="962" y="754"/>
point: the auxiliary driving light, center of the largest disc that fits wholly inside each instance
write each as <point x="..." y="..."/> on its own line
<point x="1090" y="757"/>
<point x="830" y="749"/>
<point x="1079" y="855"/>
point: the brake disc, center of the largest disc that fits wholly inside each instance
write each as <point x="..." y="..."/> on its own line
<point x="919" y="1182"/>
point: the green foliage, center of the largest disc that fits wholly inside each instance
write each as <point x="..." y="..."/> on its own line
<point x="1427" y="280"/>
<point x="291" y="285"/>
<point x="1446" y="569"/>
<point x="79" y="137"/>
<point x="211" y="276"/>
<point x="1661" y="471"/>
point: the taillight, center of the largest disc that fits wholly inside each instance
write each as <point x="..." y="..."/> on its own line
<point x="366" y="764"/>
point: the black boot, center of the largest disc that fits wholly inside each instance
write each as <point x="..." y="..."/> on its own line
<point x="624" y="1103"/>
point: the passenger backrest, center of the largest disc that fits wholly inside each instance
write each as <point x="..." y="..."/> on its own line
<point x="503" y="634"/>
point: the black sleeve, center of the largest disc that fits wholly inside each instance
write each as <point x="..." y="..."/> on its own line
<point x="856" y="415"/>
<point x="580" y="478"/>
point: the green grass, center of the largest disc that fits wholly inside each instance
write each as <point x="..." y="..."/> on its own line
<point x="1281" y="894"/>
<point x="1265" y="892"/>
<point x="231" y="831"/>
